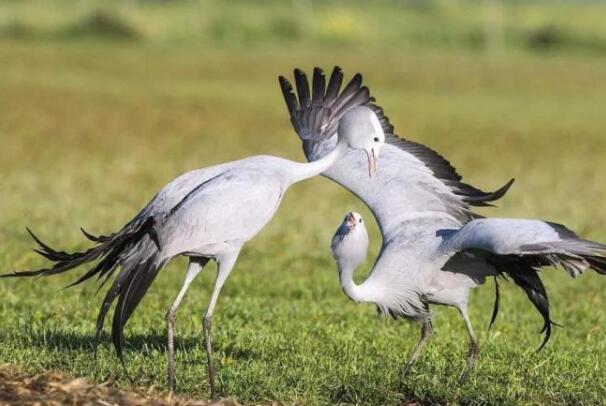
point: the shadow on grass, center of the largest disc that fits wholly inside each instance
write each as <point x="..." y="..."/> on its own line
<point x="153" y="341"/>
<point x="354" y="391"/>
<point x="73" y="341"/>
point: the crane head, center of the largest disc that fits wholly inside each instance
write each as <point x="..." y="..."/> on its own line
<point x="360" y="129"/>
<point x="350" y="242"/>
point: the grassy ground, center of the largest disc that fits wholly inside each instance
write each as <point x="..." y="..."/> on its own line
<point x="89" y="131"/>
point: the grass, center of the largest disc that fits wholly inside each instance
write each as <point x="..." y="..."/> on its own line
<point x="90" y="130"/>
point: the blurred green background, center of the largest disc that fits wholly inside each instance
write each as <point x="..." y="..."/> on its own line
<point x="103" y="102"/>
<point x="378" y="24"/>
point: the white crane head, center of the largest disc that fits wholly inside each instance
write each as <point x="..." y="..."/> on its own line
<point x="360" y="129"/>
<point x="350" y="242"/>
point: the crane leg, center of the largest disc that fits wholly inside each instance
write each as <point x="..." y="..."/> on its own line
<point x="193" y="269"/>
<point x="226" y="264"/>
<point x="474" y="346"/>
<point x="425" y="334"/>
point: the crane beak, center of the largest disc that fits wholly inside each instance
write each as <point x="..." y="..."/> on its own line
<point x="372" y="163"/>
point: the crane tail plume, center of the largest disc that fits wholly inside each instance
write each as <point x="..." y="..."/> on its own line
<point x="497" y="299"/>
<point x="529" y="281"/>
<point x="110" y="249"/>
<point x="94" y="238"/>
<point x="138" y="282"/>
<point x="523" y="271"/>
<point x="135" y="249"/>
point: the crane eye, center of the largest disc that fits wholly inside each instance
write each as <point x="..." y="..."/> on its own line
<point x="376" y="139"/>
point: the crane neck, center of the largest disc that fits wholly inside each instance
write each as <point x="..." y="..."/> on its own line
<point x="353" y="291"/>
<point x="310" y="169"/>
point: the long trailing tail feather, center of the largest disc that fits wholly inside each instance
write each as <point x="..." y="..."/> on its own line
<point x="95" y="238"/>
<point x="136" y="286"/>
<point x="574" y="254"/>
<point x="109" y="248"/>
<point x="128" y="249"/>
<point x="524" y="273"/>
<point x="497" y="299"/>
<point x="530" y="282"/>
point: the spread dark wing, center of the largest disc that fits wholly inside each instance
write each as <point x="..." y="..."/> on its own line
<point x="418" y="178"/>
<point x="518" y="248"/>
<point x="315" y="114"/>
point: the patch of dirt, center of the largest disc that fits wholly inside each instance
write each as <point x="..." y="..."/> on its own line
<point x="54" y="388"/>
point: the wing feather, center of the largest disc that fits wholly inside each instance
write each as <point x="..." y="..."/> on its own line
<point x="415" y="177"/>
<point x="334" y="86"/>
<point x="319" y="87"/>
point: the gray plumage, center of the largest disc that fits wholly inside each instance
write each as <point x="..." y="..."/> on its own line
<point x="413" y="177"/>
<point x="422" y="207"/>
<point x="204" y="214"/>
<point x="459" y="259"/>
<point x="416" y="193"/>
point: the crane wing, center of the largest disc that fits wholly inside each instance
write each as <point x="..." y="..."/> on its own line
<point x="518" y="248"/>
<point x="230" y="207"/>
<point x="545" y="242"/>
<point x="411" y="176"/>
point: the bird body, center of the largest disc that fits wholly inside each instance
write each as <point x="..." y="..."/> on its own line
<point x="224" y="206"/>
<point x="434" y="248"/>
<point x="402" y="273"/>
<point x="405" y="281"/>
<point x="204" y="214"/>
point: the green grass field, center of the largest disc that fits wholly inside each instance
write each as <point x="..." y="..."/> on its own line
<point x="90" y="130"/>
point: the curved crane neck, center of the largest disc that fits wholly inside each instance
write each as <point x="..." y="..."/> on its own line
<point x="307" y="170"/>
<point x="355" y="292"/>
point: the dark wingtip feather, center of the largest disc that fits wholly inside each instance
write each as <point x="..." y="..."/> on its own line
<point x="94" y="238"/>
<point x="334" y="85"/>
<point x="319" y="87"/>
<point x="45" y="250"/>
<point x="351" y="88"/>
<point x="154" y="237"/>
<point x="356" y="79"/>
<point x="547" y="330"/>
<point x="495" y="309"/>
<point x="289" y="95"/>
<point x="38" y="241"/>
<point x="302" y="88"/>
<point x="477" y="197"/>
<point x="14" y="274"/>
<point x="597" y="263"/>
<point x="499" y="193"/>
<point x="523" y="271"/>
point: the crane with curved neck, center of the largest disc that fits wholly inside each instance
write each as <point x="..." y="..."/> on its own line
<point x="206" y="214"/>
<point x="515" y="247"/>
